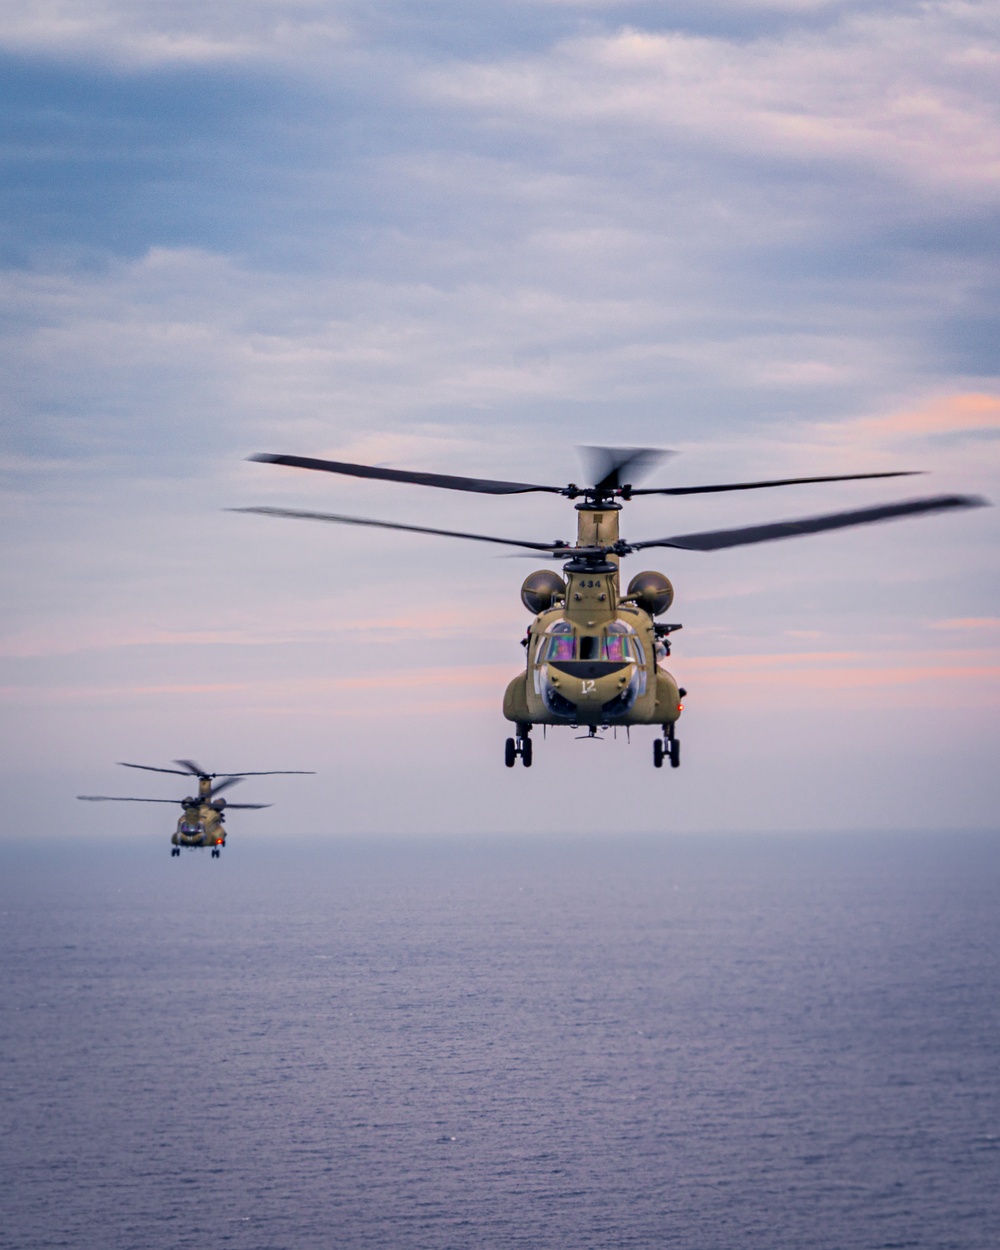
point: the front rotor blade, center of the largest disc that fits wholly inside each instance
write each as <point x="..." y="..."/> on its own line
<point x="613" y="467"/>
<point x="113" y="798"/>
<point x="194" y="769"/>
<point x="715" y="540"/>
<point x="394" y="525"/>
<point x="246" y="807"/>
<point x="480" y="485"/>
<point x="781" y="481"/>
<point x="150" y="769"/>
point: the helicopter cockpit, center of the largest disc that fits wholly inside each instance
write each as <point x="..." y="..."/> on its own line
<point x="617" y="643"/>
<point x="595" y="673"/>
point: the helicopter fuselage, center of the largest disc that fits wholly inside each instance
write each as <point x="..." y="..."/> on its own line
<point x="591" y="658"/>
<point x="200" y="826"/>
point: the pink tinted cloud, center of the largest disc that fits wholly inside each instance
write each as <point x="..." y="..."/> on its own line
<point x="948" y="414"/>
<point x="953" y="676"/>
<point x="968" y="622"/>
<point x="103" y="694"/>
<point x="276" y="630"/>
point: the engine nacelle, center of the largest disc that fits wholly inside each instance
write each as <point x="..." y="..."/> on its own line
<point x="541" y="589"/>
<point x="652" y="592"/>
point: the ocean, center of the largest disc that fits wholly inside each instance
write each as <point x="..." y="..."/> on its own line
<point x="712" y="1042"/>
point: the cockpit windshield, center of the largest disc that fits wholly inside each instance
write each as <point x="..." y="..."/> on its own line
<point x="617" y="643"/>
<point x="616" y="647"/>
<point x="621" y="643"/>
<point x="559" y="643"/>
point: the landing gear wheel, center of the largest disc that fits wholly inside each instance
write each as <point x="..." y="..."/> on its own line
<point x="510" y="752"/>
<point x="526" y="752"/>
<point x="675" y="752"/>
<point x="658" y="753"/>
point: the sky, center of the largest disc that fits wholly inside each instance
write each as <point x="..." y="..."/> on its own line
<point x="470" y="239"/>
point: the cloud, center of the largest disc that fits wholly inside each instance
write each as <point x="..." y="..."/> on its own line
<point x="182" y="31"/>
<point x="952" y="678"/>
<point x="909" y="90"/>
<point x="469" y="239"/>
<point x="945" y="414"/>
<point x="968" y="622"/>
<point x="293" y="624"/>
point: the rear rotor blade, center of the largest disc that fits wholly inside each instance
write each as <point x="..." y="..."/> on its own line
<point x="394" y="525"/>
<point x="274" y="772"/>
<point x="223" y="785"/>
<point x="113" y="798"/>
<point x="782" y="481"/>
<point x="479" y="485"/>
<point x="194" y="769"/>
<point x="150" y="769"/>
<point x="715" y="540"/>
<point x="613" y="467"/>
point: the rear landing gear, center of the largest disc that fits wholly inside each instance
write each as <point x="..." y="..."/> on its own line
<point x="667" y="747"/>
<point x="519" y="746"/>
<point x="215" y="852"/>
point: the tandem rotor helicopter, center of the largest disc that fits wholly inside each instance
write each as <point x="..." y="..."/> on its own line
<point x="202" y="823"/>
<point x="593" y="655"/>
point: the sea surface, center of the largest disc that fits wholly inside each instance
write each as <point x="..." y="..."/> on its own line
<point x="712" y="1043"/>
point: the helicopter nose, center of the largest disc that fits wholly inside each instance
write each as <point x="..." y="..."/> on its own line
<point x="582" y="689"/>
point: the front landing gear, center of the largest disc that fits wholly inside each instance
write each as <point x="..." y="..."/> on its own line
<point x="667" y="747"/>
<point x="216" y="852"/>
<point x="174" y="850"/>
<point x="519" y="746"/>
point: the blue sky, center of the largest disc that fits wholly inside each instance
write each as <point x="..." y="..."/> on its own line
<point x="439" y="237"/>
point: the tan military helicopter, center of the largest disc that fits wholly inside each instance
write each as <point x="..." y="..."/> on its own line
<point x="593" y="655"/>
<point x="203" y="820"/>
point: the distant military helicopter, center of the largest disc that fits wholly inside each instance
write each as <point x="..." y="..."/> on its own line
<point x="592" y="654"/>
<point x="202" y="823"/>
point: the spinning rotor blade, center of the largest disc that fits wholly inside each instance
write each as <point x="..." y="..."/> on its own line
<point x="112" y="798"/>
<point x="480" y="485"/>
<point x="783" y="481"/>
<point x="273" y="772"/>
<point x="223" y="785"/>
<point x="246" y="807"/>
<point x="557" y="547"/>
<point x="193" y="769"/>
<point x="150" y="769"/>
<point x="613" y="467"/>
<point x="715" y="540"/>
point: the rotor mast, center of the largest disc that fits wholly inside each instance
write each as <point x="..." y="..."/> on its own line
<point x="597" y="525"/>
<point x="592" y="589"/>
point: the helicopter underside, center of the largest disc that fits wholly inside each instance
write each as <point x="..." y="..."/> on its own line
<point x="581" y="692"/>
<point x="195" y="834"/>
